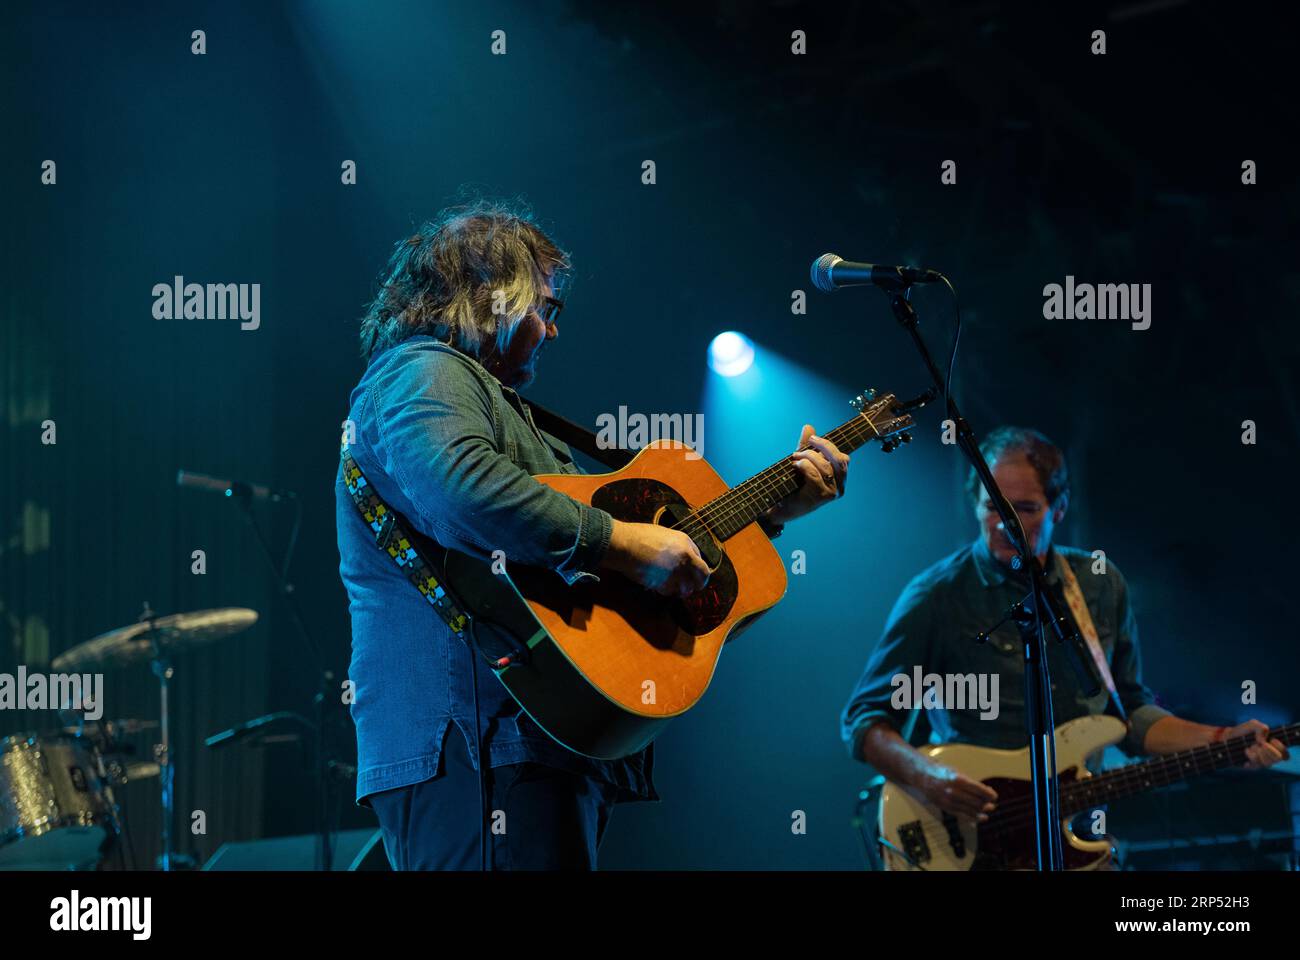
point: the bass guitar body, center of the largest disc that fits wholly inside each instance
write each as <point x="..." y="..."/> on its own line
<point x="917" y="835"/>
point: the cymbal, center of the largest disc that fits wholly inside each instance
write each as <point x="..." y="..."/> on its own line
<point x="171" y="634"/>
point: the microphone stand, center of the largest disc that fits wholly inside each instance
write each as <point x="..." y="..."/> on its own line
<point x="322" y="762"/>
<point x="1040" y="608"/>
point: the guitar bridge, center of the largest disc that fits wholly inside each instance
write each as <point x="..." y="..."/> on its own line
<point x="911" y="838"/>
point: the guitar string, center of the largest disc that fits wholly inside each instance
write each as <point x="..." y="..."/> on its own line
<point x="1234" y="751"/>
<point x="756" y="488"/>
<point x="1164" y="768"/>
<point x="776" y="475"/>
<point x="1111" y="782"/>
<point x="1140" y="775"/>
<point x="752" y="490"/>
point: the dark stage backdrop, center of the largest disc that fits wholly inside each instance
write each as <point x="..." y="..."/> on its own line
<point x="226" y="168"/>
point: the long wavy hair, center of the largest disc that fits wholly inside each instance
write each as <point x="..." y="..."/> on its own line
<point x="446" y="279"/>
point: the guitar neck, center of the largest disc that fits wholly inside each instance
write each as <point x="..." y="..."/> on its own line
<point x="1138" y="777"/>
<point x="744" y="503"/>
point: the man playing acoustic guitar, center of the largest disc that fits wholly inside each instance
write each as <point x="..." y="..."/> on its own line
<point x="466" y="308"/>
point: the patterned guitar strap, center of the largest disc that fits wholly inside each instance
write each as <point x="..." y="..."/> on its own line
<point x="1083" y="619"/>
<point x="394" y="538"/>
<point x="394" y="535"/>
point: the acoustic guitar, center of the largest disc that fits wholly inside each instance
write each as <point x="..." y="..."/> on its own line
<point x="603" y="666"/>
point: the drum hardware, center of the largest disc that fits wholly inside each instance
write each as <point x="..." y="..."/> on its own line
<point x="57" y="810"/>
<point x="157" y="640"/>
<point x="108" y="730"/>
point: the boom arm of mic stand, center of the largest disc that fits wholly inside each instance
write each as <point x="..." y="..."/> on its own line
<point x="1038" y="701"/>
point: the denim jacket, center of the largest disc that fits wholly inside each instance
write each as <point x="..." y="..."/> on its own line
<point x="451" y="449"/>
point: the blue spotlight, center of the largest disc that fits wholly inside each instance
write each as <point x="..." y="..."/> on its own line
<point x="731" y="354"/>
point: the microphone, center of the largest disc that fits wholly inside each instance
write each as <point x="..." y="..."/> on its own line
<point x="231" y="488"/>
<point x="276" y="722"/>
<point x="830" y="272"/>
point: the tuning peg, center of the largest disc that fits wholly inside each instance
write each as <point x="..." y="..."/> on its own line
<point x="905" y="437"/>
<point x="888" y="445"/>
<point x="869" y="394"/>
<point x="856" y="403"/>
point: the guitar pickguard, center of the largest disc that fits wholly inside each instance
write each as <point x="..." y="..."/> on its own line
<point x="1007" y="841"/>
<point x="651" y="501"/>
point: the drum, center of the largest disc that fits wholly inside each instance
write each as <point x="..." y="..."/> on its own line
<point x="56" y="811"/>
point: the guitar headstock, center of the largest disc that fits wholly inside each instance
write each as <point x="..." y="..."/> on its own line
<point x="889" y="425"/>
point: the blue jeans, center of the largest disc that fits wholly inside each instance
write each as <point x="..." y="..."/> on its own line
<point x="539" y="818"/>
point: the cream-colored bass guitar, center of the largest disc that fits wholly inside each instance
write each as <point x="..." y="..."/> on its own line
<point x="915" y="835"/>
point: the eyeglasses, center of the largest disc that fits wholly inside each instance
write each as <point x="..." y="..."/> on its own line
<point x="550" y="309"/>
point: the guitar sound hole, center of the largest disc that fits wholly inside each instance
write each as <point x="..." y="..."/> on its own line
<point x="649" y="501"/>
